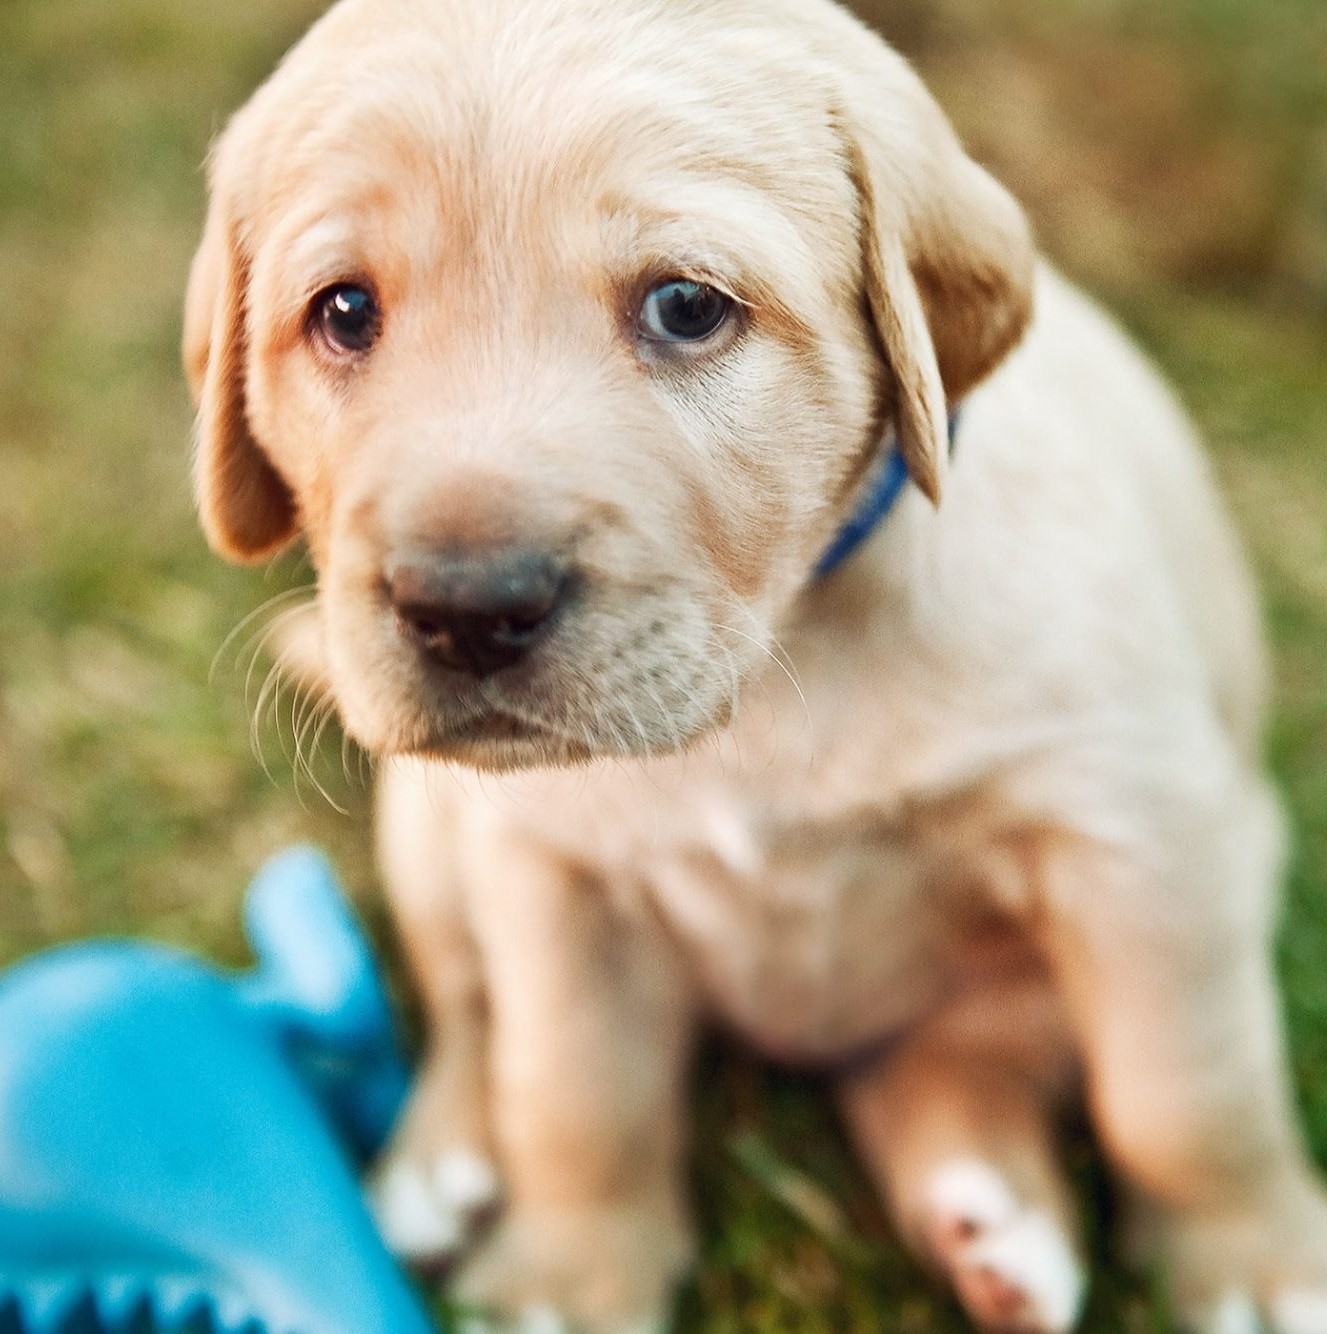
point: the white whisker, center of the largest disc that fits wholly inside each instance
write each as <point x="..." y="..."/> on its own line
<point x="317" y="720"/>
<point x="256" y="649"/>
<point x="262" y="609"/>
<point x="792" y="679"/>
<point x="268" y="695"/>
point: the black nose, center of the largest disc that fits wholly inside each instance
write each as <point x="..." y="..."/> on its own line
<point x="477" y="612"/>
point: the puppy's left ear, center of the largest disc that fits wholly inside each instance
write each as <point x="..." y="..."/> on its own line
<point x="947" y="255"/>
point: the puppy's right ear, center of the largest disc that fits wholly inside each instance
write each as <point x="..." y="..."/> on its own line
<point x="246" y="510"/>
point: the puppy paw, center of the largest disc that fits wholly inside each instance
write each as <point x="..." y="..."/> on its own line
<point x="1012" y="1266"/>
<point x="427" y="1209"/>
<point x="1300" y="1310"/>
<point x="1260" y="1270"/>
<point x="1291" y="1311"/>
<point x="542" y="1320"/>
<point x="1286" y="1310"/>
<point x="563" y="1272"/>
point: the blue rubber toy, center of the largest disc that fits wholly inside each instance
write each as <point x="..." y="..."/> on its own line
<point x="178" y="1145"/>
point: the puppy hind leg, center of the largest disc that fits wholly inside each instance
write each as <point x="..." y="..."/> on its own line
<point x="961" y="1145"/>
<point x="1166" y="967"/>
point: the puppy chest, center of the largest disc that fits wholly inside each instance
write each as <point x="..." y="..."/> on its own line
<point x="809" y="940"/>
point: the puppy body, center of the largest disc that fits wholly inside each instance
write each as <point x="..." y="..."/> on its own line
<point x="999" y="796"/>
<point x="1048" y="653"/>
<point x="982" y="809"/>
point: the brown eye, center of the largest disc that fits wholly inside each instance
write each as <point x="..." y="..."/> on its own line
<point x="347" y="316"/>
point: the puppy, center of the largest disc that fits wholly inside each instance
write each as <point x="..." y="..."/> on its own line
<point x="572" y="335"/>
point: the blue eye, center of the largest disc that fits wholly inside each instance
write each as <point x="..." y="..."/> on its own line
<point x="681" y="311"/>
<point x="347" y="317"/>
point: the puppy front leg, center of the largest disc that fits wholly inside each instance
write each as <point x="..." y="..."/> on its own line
<point x="437" y="1179"/>
<point x="590" y="1035"/>
<point x="1168" y="974"/>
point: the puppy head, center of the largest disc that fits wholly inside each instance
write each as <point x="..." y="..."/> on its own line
<point x="563" y="332"/>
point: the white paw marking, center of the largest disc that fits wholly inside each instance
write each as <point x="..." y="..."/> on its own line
<point x="414" y="1221"/>
<point x="426" y="1213"/>
<point x="1030" y="1253"/>
<point x="1010" y="1264"/>
<point x="970" y="1191"/>
<point x="1234" y="1314"/>
<point x="1300" y="1312"/>
<point x="465" y="1181"/>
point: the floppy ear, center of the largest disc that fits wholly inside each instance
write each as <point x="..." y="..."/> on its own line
<point x="246" y="510"/>
<point x="947" y="258"/>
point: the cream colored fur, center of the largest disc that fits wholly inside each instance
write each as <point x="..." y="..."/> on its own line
<point x="978" y="819"/>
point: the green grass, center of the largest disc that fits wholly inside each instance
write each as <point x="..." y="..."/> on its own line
<point x="130" y="799"/>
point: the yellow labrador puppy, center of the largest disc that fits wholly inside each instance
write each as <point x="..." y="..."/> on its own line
<point x="607" y="355"/>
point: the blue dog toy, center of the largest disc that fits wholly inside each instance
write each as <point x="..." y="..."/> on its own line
<point x="178" y="1146"/>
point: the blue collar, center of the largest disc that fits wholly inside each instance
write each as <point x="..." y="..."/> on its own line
<point x="880" y="492"/>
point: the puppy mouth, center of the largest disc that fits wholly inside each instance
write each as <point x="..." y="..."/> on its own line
<point x="604" y="694"/>
<point x="495" y="733"/>
<point x="501" y="741"/>
<point x="501" y="734"/>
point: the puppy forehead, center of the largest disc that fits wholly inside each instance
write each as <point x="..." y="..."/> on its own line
<point x="506" y="108"/>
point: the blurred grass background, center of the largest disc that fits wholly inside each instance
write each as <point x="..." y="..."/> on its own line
<point x="1174" y="158"/>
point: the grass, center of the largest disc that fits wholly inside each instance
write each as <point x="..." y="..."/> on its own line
<point x="130" y="800"/>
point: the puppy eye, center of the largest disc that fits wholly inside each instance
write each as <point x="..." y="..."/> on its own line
<point x="347" y="317"/>
<point x="681" y="311"/>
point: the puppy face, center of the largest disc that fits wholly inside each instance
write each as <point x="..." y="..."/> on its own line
<point x="564" y="331"/>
